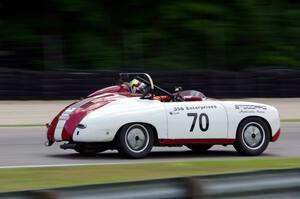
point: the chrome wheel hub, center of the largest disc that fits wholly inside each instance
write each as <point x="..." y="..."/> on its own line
<point x="137" y="138"/>
<point x="253" y="135"/>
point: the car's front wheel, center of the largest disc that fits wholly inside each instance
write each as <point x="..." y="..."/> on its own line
<point x="135" y="140"/>
<point x="253" y="136"/>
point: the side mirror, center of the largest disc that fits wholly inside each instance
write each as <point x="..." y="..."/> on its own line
<point x="177" y="89"/>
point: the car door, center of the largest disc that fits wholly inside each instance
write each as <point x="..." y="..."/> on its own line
<point x="196" y="120"/>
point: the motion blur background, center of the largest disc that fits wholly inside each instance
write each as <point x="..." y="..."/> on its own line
<point x="252" y="43"/>
<point x="66" y="49"/>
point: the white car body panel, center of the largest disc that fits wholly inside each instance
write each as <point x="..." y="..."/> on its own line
<point x="103" y="123"/>
<point x="179" y="123"/>
<point x="224" y="117"/>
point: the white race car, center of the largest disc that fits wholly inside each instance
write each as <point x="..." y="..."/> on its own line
<point x="132" y="123"/>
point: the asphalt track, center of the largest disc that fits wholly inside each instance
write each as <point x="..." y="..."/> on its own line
<point x="23" y="146"/>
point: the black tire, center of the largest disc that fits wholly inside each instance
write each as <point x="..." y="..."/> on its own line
<point x="199" y="148"/>
<point x="85" y="149"/>
<point x="135" y="140"/>
<point x="253" y="136"/>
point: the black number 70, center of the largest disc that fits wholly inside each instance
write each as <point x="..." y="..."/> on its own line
<point x="201" y="116"/>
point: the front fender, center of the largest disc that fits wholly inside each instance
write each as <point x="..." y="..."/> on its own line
<point x="237" y="111"/>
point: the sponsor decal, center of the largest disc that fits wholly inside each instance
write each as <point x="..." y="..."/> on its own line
<point x="242" y="108"/>
<point x="188" y="108"/>
<point x="178" y="109"/>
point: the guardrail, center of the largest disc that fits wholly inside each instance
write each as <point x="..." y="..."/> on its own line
<point x="73" y="84"/>
<point x="260" y="185"/>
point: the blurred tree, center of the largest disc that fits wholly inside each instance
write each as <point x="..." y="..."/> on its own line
<point x="191" y="34"/>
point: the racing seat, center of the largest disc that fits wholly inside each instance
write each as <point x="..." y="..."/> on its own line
<point x="162" y="98"/>
<point x="191" y="95"/>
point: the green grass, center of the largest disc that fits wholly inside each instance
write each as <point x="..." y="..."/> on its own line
<point x="21" y="125"/>
<point x="51" y="177"/>
<point x="290" y="120"/>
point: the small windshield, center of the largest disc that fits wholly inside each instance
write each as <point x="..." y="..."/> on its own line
<point x="191" y="93"/>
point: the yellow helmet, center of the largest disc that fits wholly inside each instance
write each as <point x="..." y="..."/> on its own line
<point x="136" y="86"/>
<point x="134" y="83"/>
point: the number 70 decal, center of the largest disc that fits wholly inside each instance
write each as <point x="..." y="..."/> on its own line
<point x="203" y="118"/>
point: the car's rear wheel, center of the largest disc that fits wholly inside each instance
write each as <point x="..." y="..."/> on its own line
<point x="253" y="136"/>
<point x="135" y="140"/>
<point x="199" y="148"/>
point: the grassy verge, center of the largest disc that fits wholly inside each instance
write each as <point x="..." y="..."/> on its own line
<point x="21" y="125"/>
<point x="51" y="177"/>
<point x="290" y="120"/>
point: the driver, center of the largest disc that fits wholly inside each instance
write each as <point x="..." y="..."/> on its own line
<point x="137" y="87"/>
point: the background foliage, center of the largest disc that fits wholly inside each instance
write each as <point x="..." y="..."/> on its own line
<point x="190" y="34"/>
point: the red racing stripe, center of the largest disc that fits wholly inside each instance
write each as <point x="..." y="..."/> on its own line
<point x="276" y="136"/>
<point x="77" y="116"/>
<point x="51" y="129"/>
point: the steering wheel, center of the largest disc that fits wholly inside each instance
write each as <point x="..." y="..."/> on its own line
<point x="148" y="90"/>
